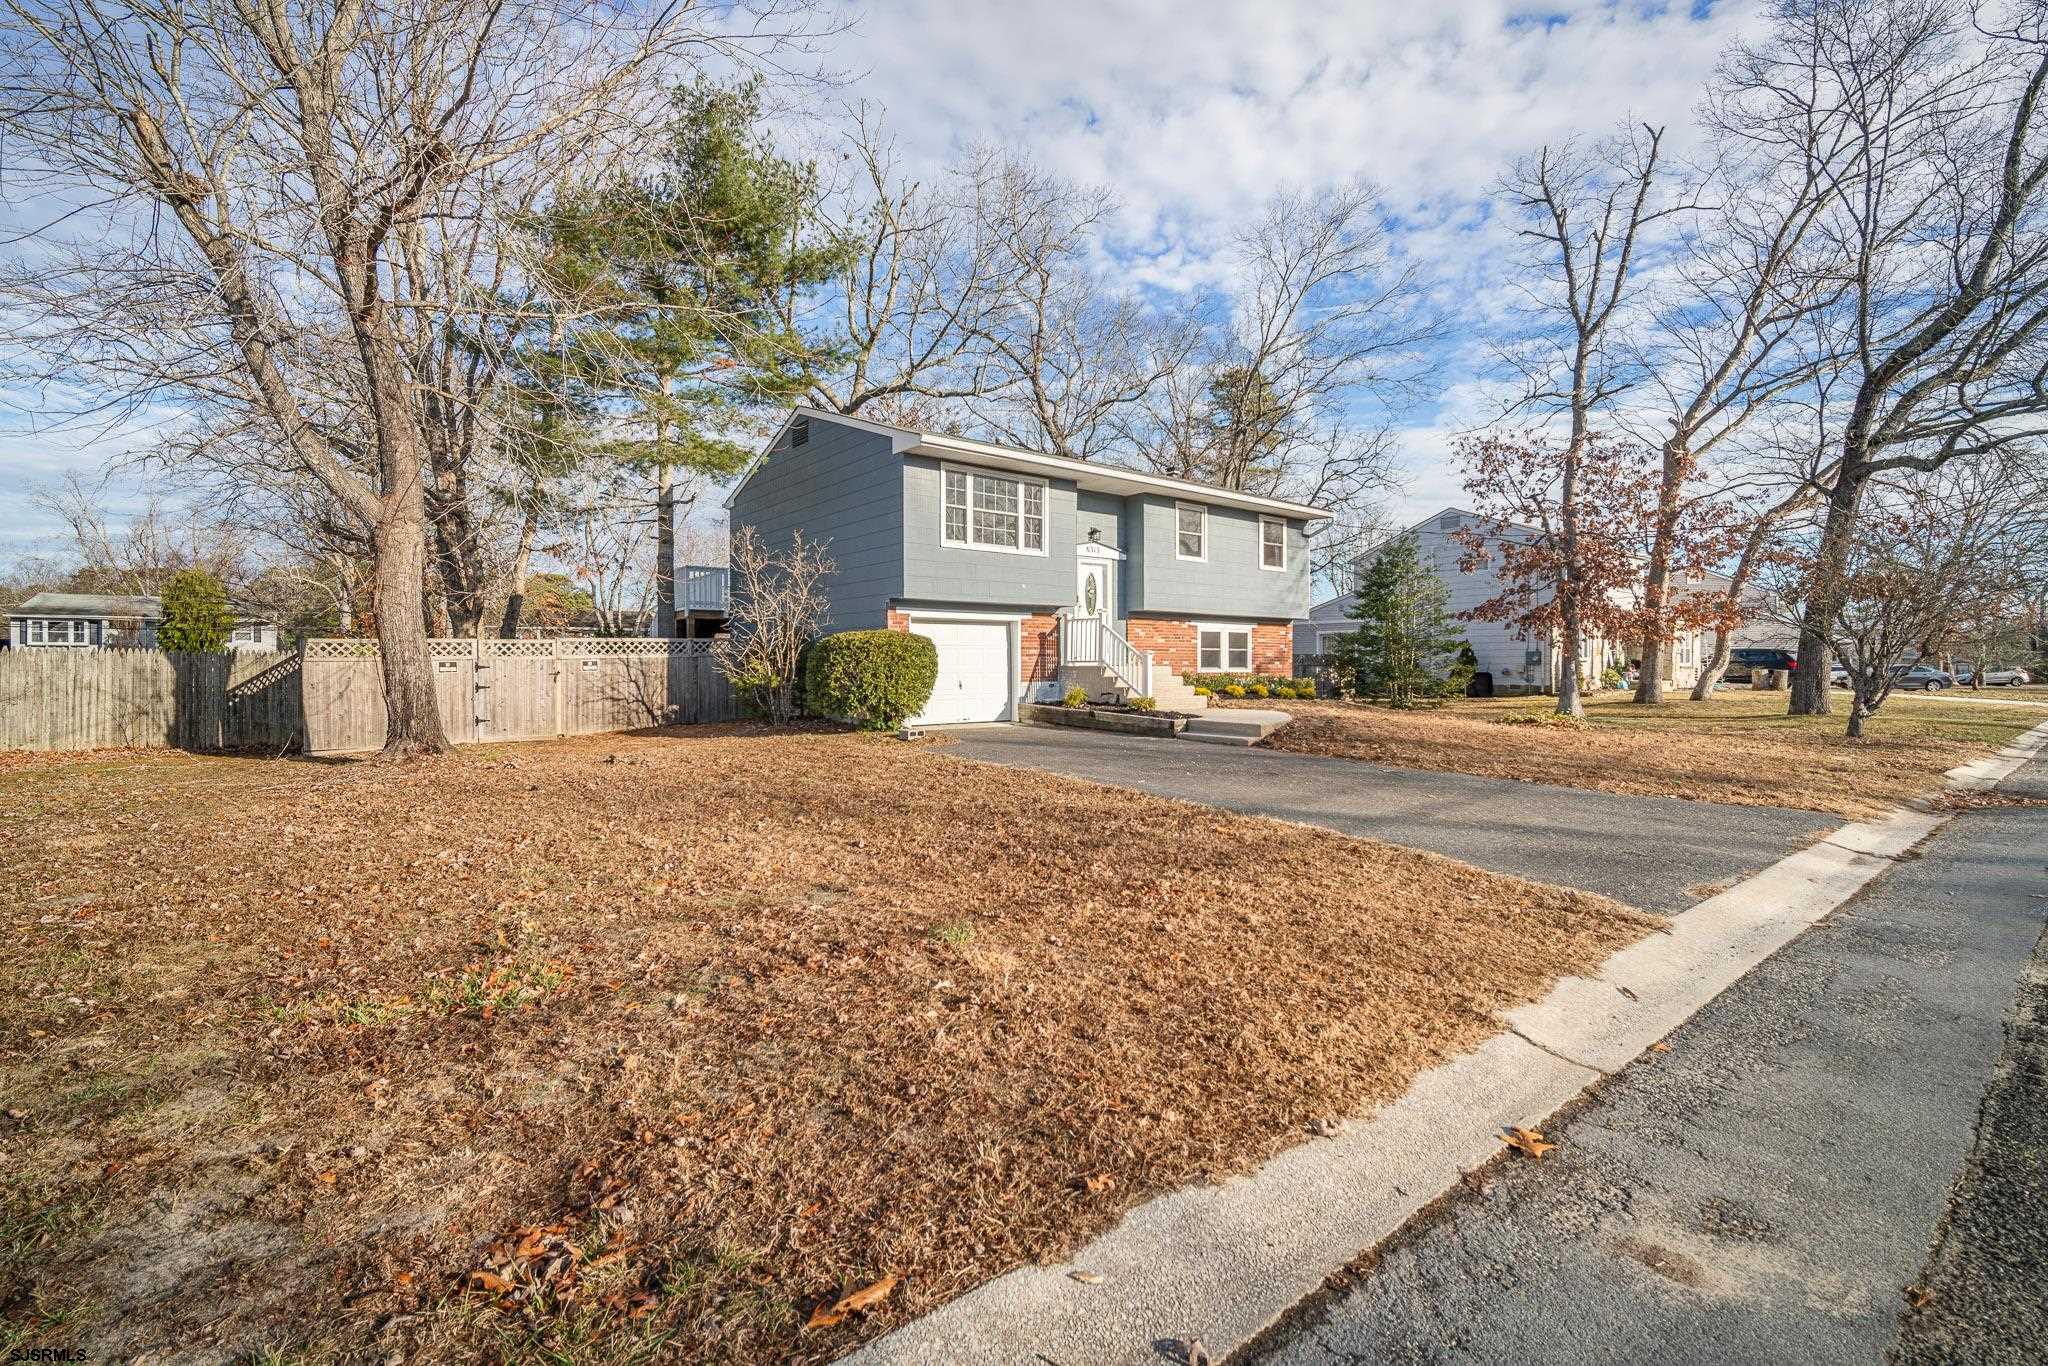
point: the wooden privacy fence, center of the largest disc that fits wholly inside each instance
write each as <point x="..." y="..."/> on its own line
<point x="101" y="699"/>
<point x="518" y="689"/>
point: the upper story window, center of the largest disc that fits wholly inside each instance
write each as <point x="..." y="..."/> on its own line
<point x="1191" y="525"/>
<point x="993" y="512"/>
<point x="1272" y="543"/>
<point x="60" y="632"/>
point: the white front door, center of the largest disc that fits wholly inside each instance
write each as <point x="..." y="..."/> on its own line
<point x="974" y="671"/>
<point x="1092" y="597"/>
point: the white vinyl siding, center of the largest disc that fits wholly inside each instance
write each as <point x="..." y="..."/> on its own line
<point x="986" y="511"/>
<point x="1223" y="649"/>
<point x="1191" y="528"/>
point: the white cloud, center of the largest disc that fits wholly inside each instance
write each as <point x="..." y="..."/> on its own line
<point x="1194" y="113"/>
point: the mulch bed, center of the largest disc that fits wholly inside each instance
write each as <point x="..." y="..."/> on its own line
<point x="660" y="1043"/>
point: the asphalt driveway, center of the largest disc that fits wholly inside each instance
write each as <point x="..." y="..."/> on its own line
<point x="1655" y="853"/>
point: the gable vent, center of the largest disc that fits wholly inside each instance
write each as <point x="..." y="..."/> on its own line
<point x="800" y="432"/>
<point x="1450" y="521"/>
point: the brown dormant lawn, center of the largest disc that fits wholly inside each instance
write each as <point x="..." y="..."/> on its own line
<point x="1738" y="746"/>
<point x="654" y="1044"/>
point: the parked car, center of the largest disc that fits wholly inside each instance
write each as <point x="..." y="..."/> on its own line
<point x="1966" y="674"/>
<point x="1744" y="664"/>
<point x="1922" y="677"/>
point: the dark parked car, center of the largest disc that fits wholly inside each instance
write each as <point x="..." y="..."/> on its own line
<point x="1921" y="677"/>
<point x="1743" y="665"/>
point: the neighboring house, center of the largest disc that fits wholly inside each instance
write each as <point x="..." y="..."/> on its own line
<point x="110" y="621"/>
<point x="1518" y="663"/>
<point x="1033" y="572"/>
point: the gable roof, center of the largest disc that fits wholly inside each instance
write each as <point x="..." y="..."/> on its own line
<point x="1086" y="474"/>
<point x="88" y="605"/>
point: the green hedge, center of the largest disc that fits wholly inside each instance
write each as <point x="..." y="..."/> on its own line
<point x="875" y="679"/>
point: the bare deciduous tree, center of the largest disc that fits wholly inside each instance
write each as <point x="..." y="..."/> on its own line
<point x="252" y="176"/>
<point x="1588" y="213"/>
<point x="1941" y="217"/>
<point x="778" y="607"/>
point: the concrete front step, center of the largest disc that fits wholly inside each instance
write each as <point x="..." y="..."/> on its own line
<point x="1241" y="726"/>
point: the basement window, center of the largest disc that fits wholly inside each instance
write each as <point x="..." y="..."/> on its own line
<point x="1223" y="649"/>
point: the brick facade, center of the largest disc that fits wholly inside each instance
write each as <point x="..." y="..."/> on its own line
<point x="898" y="621"/>
<point x="1039" y="636"/>
<point x="1172" y="645"/>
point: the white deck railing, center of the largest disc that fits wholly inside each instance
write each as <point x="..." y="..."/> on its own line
<point x="1092" y="640"/>
<point x="704" y="588"/>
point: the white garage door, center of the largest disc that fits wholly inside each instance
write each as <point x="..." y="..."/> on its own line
<point x="974" y="671"/>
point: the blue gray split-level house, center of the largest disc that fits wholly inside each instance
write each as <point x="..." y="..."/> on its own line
<point x="1033" y="573"/>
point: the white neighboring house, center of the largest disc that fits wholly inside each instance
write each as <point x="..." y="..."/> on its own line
<point x="1518" y="663"/>
<point x="86" y="621"/>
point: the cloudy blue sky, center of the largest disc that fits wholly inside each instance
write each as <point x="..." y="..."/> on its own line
<point x="1193" y="113"/>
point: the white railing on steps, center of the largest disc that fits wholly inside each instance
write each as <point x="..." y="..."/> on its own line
<point x="1092" y="640"/>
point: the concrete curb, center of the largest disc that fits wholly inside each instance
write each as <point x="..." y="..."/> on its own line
<point x="1222" y="1263"/>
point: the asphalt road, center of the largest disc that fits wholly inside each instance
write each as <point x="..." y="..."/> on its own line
<point x="1656" y="854"/>
<point x="1864" y="1116"/>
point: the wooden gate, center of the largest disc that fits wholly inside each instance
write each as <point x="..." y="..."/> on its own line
<point x="518" y="689"/>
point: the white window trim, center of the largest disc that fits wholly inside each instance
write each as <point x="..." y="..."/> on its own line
<point x="1264" y="522"/>
<point x="1227" y="628"/>
<point x="973" y="473"/>
<point x="77" y="632"/>
<point x="1178" y="553"/>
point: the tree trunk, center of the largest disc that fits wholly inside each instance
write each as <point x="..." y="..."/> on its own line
<point x="665" y="551"/>
<point x="1716" y="666"/>
<point x="1657" y="584"/>
<point x="1824" y="593"/>
<point x="522" y="566"/>
<point x="1568" y="700"/>
<point x="1856" y="715"/>
<point x="412" y="722"/>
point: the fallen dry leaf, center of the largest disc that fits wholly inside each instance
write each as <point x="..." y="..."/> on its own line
<point x="864" y="1298"/>
<point x="1100" y="1182"/>
<point x="490" y="1281"/>
<point x="1918" y="1297"/>
<point x="1530" y="1141"/>
<point x="1660" y="1047"/>
<point x="1085" y="1277"/>
<point x="1195" y="1352"/>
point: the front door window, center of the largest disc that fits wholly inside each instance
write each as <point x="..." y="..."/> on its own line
<point x="1091" y="599"/>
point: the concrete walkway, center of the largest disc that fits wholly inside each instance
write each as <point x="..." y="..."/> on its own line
<point x="1770" y="1188"/>
<point x="1654" y="853"/>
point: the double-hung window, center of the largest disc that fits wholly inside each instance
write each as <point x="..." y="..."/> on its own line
<point x="1223" y="649"/>
<point x="994" y="512"/>
<point x="1272" y="543"/>
<point x="60" y="632"/>
<point x="1191" y="528"/>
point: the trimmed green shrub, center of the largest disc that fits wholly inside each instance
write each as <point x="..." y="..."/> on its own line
<point x="1233" y="690"/>
<point x="1259" y="690"/>
<point x="1076" y="697"/>
<point x="1286" y="692"/>
<point x="1143" y="703"/>
<point x="875" y="679"/>
<point x="1304" y="687"/>
<point x="1204" y="692"/>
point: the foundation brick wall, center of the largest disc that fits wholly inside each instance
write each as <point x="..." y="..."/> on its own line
<point x="1172" y="645"/>
<point x="1039" y="637"/>
<point x="898" y="621"/>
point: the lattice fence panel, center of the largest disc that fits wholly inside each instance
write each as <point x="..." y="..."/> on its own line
<point x="519" y="689"/>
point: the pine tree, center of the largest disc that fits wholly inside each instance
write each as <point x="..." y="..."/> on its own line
<point x="1401" y="650"/>
<point x="196" y="616"/>
<point x="680" y="273"/>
